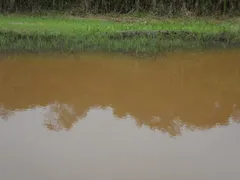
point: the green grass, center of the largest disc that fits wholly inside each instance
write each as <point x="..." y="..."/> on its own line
<point x="78" y="26"/>
<point x="79" y="34"/>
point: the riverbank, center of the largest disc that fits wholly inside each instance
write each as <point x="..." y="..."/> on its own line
<point x="125" y="34"/>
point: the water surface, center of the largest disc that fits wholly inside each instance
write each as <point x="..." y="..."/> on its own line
<point x="111" y="116"/>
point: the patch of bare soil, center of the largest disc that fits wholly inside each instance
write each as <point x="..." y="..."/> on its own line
<point x="112" y="18"/>
<point x="22" y="23"/>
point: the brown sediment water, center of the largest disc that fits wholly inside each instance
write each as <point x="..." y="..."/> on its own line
<point x="112" y="116"/>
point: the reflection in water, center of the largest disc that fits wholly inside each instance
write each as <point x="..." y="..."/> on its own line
<point x="5" y="113"/>
<point x="60" y="116"/>
<point x="186" y="90"/>
<point x="235" y="115"/>
<point x="114" y="115"/>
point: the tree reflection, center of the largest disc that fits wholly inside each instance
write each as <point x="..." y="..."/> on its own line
<point x="5" y="113"/>
<point x="235" y="115"/>
<point x="191" y="91"/>
<point x="63" y="117"/>
<point x="60" y="117"/>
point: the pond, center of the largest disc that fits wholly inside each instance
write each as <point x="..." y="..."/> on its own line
<point x="110" y="116"/>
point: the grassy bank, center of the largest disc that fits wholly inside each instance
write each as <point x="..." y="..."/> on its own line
<point x="25" y="33"/>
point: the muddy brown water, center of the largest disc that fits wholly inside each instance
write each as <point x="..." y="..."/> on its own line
<point x="118" y="117"/>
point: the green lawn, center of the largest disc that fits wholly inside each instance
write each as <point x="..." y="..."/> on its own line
<point x="79" y="26"/>
<point x="26" y="33"/>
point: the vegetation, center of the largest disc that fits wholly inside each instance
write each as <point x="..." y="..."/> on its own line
<point x="26" y="33"/>
<point x="159" y="7"/>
